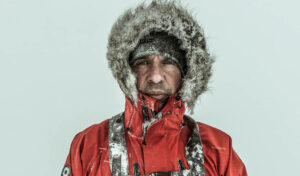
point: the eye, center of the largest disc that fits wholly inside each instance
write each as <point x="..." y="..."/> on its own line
<point x="144" y="63"/>
<point x="141" y="62"/>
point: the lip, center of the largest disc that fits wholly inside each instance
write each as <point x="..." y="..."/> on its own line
<point x="156" y="92"/>
<point x="157" y="96"/>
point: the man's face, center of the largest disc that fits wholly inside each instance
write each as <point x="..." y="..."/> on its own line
<point x="157" y="76"/>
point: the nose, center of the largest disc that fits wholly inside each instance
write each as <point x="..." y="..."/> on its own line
<point x="155" y="74"/>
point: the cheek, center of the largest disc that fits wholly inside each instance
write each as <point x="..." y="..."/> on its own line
<point x="174" y="80"/>
<point x="140" y="80"/>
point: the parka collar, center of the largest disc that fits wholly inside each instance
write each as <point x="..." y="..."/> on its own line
<point x="147" y="112"/>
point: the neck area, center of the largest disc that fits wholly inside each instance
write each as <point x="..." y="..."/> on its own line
<point x="138" y="118"/>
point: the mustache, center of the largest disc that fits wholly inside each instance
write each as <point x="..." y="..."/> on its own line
<point x="157" y="86"/>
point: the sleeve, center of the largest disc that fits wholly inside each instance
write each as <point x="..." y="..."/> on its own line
<point x="235" y="166"/>
<point x="73" y="164"/>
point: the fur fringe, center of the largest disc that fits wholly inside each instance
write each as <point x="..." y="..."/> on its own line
<point x="160" y="15"/>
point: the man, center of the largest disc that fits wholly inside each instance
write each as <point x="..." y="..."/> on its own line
<point x="158" y="55"/>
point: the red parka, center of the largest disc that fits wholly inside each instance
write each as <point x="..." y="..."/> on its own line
<point x="155" y="148"/>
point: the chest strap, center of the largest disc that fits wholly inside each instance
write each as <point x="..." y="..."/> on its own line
<point x="118" y="157"/>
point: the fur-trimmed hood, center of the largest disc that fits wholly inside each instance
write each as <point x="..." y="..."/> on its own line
<point x="160" y="16"/>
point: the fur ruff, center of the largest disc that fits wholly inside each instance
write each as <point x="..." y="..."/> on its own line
<point x="170" y="17"/>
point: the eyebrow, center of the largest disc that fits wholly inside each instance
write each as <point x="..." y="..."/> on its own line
<point x="138" y="60"/>
<point x="141" y="58"/>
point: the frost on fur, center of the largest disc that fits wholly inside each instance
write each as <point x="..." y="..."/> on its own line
<point x="169" y="17"/>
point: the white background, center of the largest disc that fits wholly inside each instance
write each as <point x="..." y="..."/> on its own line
<point x="55" y="81"/>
